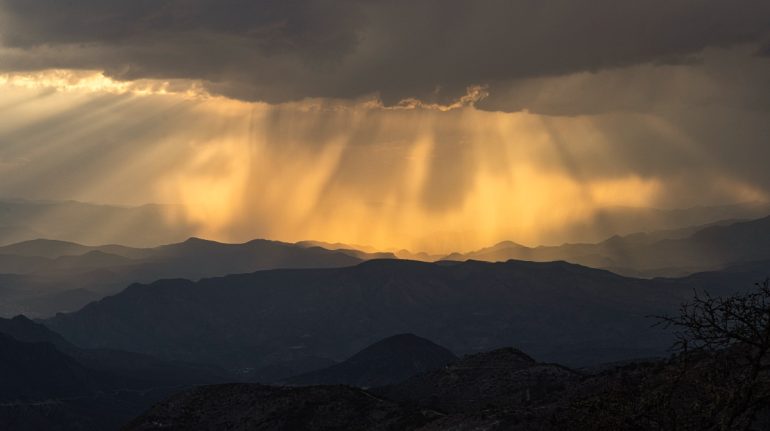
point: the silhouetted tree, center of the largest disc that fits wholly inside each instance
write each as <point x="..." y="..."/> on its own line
<point x="733" y="333"/>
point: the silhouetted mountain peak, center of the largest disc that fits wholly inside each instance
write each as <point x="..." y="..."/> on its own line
<point x="22" y="319"/>
<point x="401" y="344"/>
<point x="265" y="241"/>
<point x="508" y="244"/>
<point x="387" y="361"/>
<point x="49" y="248"/>
<point x="195" y="241"/>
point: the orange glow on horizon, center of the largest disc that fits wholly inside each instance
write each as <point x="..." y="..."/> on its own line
<point x="425" y="178"/>
<point x="292" y="183"/>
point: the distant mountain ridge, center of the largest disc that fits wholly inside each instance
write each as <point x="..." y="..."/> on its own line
<point x="154" y="224"/>
<point x="561" y="312"/>
<point x="142" y="226"/>
<point x="670" y="253"/>
<point x="52" y="249"/>
<point x="42" y="277"/>
<point x="54" y="276"/>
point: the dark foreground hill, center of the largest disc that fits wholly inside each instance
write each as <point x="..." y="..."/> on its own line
<point x="386" y="362"/>
<point x="479" y="392"/>
<point x="503" y="390"/>
<point x="35" y="371"/>
<point x="46" y="383"/>
<point x="127" y="369"/>
<point x="44" y="389"/>
<point x="240" y="407"/>
<point x="498" y="378"/>
<point x="560" y="312"/>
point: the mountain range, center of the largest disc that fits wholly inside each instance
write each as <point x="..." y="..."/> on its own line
<point x="441" y="393"/>
<point x="558" y="311"/>
<point x="499" y="390"/>
<point x="43" y="277"/>
<point x="140" y="226"/>
<point x="156" y="224"/>
<point x="48" y="383"/>
<point x="120" y="327"/>
<point x="427" y="389"/>
<point x="667" y="253"/>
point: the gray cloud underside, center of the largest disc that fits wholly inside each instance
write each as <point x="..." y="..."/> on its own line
<point x="278" y="51"/>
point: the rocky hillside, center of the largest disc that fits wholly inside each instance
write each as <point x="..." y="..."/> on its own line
<point x="499" y="378"/>
<point x="241" y="407"/>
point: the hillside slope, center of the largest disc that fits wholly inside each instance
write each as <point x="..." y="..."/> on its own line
<point x="558" y="311"/>
<point x="385" y="362"/>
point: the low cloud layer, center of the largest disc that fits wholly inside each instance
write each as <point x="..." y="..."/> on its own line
<point x="433" y="50"/>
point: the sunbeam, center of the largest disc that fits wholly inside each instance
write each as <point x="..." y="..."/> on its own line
<point x="422" y="178"/>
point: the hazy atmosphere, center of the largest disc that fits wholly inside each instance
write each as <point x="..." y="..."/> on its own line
<point x="394" y="215"/>
<point x="348" y="121"/>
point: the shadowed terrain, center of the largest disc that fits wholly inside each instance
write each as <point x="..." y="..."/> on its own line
<point x="558" y="311"/>
<point x="42" y="277"/>
<point x="501" y="390"/>
<point x="45" y="277"/>
<point x="665" y="253"/>
<point x="388" y="361"/>
<point x="48" y="383"/>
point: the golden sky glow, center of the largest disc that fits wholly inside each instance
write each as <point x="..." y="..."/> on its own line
<point x="432" y="178"/>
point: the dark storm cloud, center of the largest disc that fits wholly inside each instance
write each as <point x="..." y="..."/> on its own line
<point x="730" y="78"/>
<point x="765" y="50"/>
<point x="284" y="50"/>
<point x="271" y="25"/>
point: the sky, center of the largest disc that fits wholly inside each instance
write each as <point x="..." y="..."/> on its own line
<point x="432" y="125"/>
